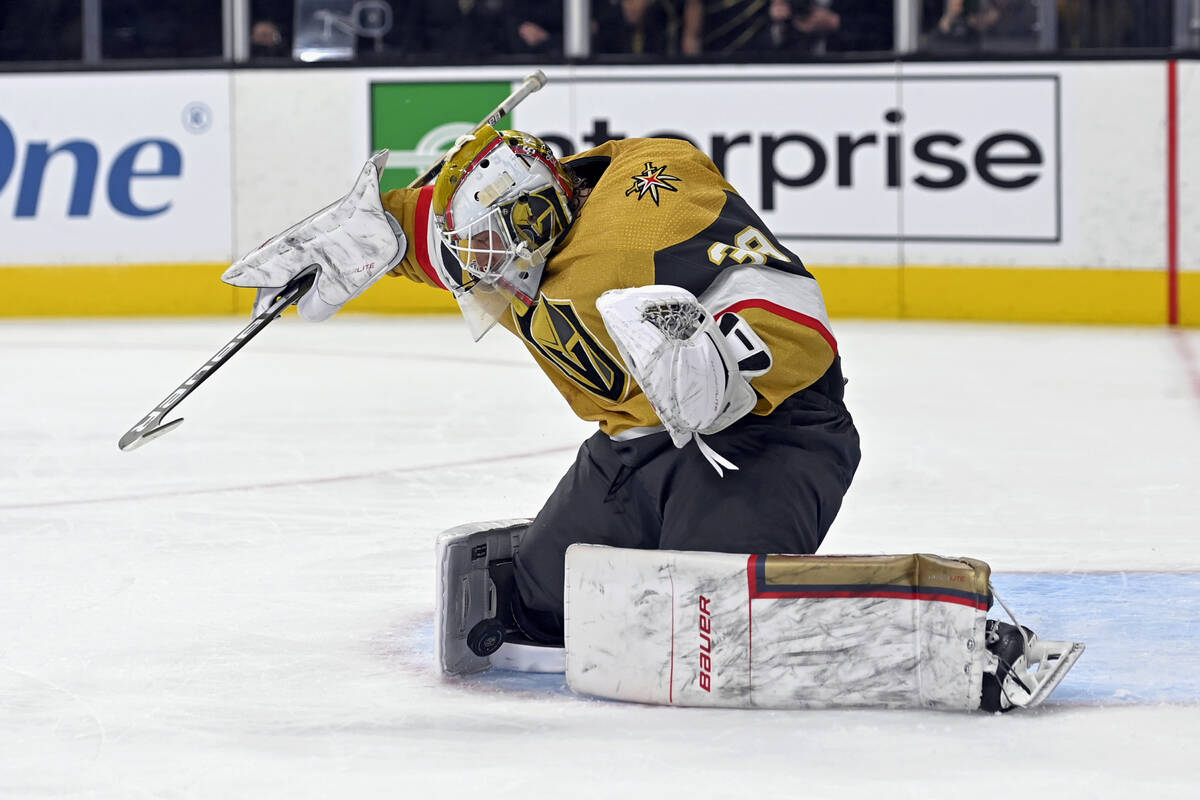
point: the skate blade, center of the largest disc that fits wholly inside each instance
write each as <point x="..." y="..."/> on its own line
<point x="1054" y="672"/>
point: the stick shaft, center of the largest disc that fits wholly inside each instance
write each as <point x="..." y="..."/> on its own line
<point x="145" y="429"/>
<point x="533" y="82"/>
<point x="151" y="425"/>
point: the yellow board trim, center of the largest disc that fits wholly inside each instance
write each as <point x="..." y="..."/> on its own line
<point x="401" y="296"/>
<point x="117" y="290"/>
<point x="1005" y="294"/>
<point x="1189" y="298"/>
<point x="912" y="292"/>
<point x="168" y="290"/>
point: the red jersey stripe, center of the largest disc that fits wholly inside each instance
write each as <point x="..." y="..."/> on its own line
<point x="786" y="313"/>
<point x="421" y="234"/>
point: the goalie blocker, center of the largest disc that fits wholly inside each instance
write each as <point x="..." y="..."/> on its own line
<point x="749" y="631"/>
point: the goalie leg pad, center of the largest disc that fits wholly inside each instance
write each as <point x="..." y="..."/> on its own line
<point x="472" y="609"/>
<point x="716" y="629"/>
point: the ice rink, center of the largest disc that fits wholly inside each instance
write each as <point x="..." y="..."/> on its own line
<point x="243" y="608"/>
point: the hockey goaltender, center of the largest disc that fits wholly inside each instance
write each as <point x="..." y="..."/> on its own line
<point x="673" y="563"/>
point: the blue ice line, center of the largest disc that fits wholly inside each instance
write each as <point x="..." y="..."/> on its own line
<point x="1142" y="631"/>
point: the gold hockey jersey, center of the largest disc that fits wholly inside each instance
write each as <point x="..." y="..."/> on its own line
<point x="659" y="212"/>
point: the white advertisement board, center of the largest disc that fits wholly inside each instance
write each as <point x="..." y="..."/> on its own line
<point x="1188" y="166"/>
<point x="119" y="169"/>
<point x="983" y="164"/>
<point x="850" y="157"/>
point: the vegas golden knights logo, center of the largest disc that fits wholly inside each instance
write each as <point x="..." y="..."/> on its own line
<point x="554" y="329"/>
<point x="536" y="217"/>
<point x="651" y="181"/>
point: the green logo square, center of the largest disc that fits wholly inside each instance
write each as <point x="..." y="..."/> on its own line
<point x="420" y="121"/>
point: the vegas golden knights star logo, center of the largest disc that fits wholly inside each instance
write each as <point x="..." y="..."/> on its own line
<point x="651" y="181"/>
<point x="554" y="329"/>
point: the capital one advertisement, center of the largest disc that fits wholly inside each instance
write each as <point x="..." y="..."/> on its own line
<point x="115" y="169"/>
<point x="972" y="158"/>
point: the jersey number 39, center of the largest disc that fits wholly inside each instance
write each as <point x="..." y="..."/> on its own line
<point x="750" y="246"/>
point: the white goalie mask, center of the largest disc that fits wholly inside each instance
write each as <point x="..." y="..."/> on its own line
<point x="501" y="202"/>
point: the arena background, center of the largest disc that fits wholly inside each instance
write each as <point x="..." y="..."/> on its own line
<point x="244" y="608"/>
<point x="989" y="190"/>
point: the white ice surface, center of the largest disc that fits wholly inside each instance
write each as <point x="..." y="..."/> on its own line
<point x="242" y="608"/>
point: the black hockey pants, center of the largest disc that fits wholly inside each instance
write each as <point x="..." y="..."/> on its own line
<point x="794" y="467"/>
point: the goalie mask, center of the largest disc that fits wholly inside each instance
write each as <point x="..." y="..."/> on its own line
<point x="501" y="202"/>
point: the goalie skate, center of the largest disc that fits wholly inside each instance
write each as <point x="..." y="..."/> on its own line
<point x="474" y="629"/>
<point x="1027" y="668"/>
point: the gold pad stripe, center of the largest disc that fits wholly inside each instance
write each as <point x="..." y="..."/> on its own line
<point x="916" y="576"/>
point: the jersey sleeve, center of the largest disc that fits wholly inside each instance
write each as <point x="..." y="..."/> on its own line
<point x="423" y="262"/>
<point x="788" y="312"/>
<point x="735" y="265"/>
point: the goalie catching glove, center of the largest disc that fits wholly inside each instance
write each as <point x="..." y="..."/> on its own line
<point x="353" y="243"/>
<point x="695" y="372"/>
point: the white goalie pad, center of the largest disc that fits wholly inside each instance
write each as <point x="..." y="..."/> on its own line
<point x="354" y="242"/>
<point x="749" y="631"/>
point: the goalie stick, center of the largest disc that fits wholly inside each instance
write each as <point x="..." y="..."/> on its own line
<point x="149" y="426"/>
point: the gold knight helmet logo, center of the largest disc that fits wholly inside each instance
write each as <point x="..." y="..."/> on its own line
<point x="537" y="217"/>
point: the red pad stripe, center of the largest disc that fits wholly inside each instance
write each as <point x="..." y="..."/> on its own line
<point x="671" y="678"/>
<point x="421" y="234"/>
<point x="751" y="572"/>
<point x="1172" y="194"/>
<point x="786" y="313"/>
<point x="913" y="595"/>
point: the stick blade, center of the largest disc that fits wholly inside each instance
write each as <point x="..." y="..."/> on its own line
<point x="134" y="439"/>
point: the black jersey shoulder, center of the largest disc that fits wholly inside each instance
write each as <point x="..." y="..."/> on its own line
<point x="688" y="264"/>
<point x="588" y="169"/>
